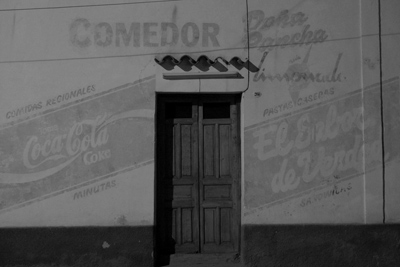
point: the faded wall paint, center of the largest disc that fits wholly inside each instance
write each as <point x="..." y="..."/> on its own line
<point x="77" y="105"/>
<point x="369" y="42"/>
<point x="79" y="147"/>
<point x="316" y="156"/>
<point x="78" y="86"/>
<point x="318" y="106"/>
<point x="391" y="68"/>
<point x="118" y="30"/>
<point x="311" y="108"/>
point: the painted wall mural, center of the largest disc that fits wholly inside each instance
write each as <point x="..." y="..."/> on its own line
<point x="298" y="31"/>
<point x="298" y="77"/>
<point x="149" y="34"/>
<point x="298" y="63"/>
<point x="94" y="137"/>
<point x="324" y="143"/>
<point x="123" y="29"/>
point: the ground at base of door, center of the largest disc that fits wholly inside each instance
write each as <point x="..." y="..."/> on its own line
<point x="204" y="260"/>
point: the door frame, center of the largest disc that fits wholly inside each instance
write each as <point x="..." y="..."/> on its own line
<point x="163" y="256"/>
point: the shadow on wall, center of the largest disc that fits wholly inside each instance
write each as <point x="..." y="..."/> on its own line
<point x="321" y="245"/>
<point x="77" y="246"/>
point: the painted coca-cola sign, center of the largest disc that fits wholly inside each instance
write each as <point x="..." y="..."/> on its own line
<point x="319" y="145"/>
<point x="77" y="143"/>
<point x="67" y="146"/>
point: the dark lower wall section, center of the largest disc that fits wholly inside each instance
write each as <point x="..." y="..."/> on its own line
<point x="81" y="246"/>
<point x="321" y="245"/>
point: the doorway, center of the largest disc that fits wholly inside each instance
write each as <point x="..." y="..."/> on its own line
<point x="198" y="173"/>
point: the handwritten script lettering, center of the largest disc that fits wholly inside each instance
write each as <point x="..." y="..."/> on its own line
<point x="273" y="141"/>
<point x="296" y="75"/>
<point x="325" y="143"/>
<point x="66" y="145"/>
<point x="260" y="26"/>
<point x="78" y="144"/>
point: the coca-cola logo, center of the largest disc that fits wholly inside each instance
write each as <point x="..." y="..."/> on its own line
<point x="82" y="137"/>
<point x="45" y="154"/>
<point x="77" y="144"/>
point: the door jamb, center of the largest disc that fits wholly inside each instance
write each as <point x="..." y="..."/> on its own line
<point x="158" y="257"/>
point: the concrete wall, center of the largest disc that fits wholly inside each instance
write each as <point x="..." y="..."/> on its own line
<point x="391" y="68"/>
<point x="313" y="138"/>
<point x="78" y="97"/>
<point x="304" y="135"/>
<point x="78" y="82"/>
<point x="78" y="85"/>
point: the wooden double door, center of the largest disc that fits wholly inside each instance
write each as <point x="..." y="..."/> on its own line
<point x="198" y="170"/>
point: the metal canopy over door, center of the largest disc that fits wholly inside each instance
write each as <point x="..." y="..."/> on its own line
<point x="198" y="167"/>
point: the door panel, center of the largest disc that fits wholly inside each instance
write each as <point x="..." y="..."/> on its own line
<point x="198" y="173"/>
<point x="177" y="172"/>
<point x="218" y="212"/>
<point x="185" y="183"/>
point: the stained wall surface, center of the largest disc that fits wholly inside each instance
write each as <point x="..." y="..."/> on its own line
<point x="78" y="98"/>
<point x="319" y="114"/>
<point x="78" y="84"/>
<point x="322" y="117"/>
<point x="391" y="68"/>
<point x="312" y="136"/>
